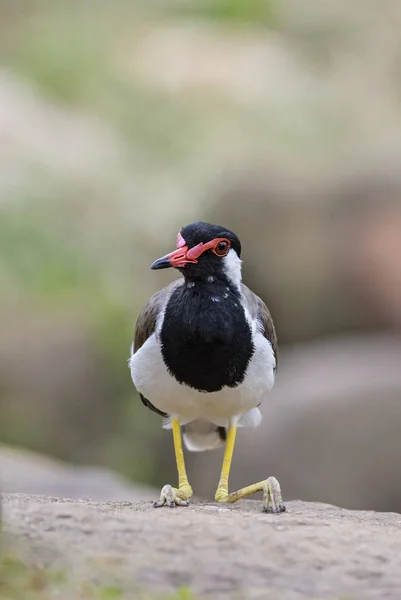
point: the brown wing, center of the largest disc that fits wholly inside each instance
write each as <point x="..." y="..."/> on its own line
<point x="146" y="322"/>
<point x="258" y="310"/>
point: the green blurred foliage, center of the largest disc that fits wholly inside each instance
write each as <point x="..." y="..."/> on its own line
<point x="257" y="13"/>
<point x="22" y="581"/>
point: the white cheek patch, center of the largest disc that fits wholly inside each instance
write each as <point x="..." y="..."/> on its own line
<point x="232" y="266"/>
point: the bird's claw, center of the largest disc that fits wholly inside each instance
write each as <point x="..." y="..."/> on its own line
<point x="272" y="499"/>
<point x="173" y="497"/>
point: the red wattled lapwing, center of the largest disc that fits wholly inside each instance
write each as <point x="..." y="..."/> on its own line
<point x="204" y="356"/>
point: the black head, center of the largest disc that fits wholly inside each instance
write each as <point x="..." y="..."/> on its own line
<point x="203" y="250"/>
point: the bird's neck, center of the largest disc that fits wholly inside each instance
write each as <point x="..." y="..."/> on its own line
<point x="208" y="283"/>
<point x="205" y="310"/>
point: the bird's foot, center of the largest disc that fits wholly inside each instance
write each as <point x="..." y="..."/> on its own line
<point x="272" y="499"/>
<point x="222" y="494"/>
<point x="174" y="496"/>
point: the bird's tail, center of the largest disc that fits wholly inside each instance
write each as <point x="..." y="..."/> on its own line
<point x="202" y="435"/>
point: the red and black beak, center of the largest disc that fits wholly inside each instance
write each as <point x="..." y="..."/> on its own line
<point x="175" y="259"/>
<point x="184" y="255"/>
<point x="178" y="258"/>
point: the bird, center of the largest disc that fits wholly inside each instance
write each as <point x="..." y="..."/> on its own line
<point x="204" y="357"/>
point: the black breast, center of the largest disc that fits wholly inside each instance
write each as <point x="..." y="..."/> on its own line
<point x="206" y="340"/>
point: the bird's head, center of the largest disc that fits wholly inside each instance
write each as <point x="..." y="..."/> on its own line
<point x="205" y="251"/>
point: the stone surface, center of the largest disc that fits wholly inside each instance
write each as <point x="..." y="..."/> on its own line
<point x="312" y="551"/>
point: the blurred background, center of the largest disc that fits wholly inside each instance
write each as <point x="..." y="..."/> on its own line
<point x="119" y="124"/>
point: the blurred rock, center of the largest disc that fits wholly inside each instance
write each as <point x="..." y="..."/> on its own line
<point x="330" y="430"/>
<point x="30" y="473"/>
<point x="366" y="211"/>
<point x="61" y="394"/>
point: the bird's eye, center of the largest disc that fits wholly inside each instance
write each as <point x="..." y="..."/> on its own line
<point x="222" y="248"/>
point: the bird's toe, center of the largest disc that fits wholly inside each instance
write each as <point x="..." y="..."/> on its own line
<point x="171" y="497"/>
<point x="272" y="498"/>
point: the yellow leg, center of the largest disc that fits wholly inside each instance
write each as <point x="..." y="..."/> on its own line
<point x="222" y="489"/>
<point x="272" y="499"/>
<point x="185" y="490"/>
<point x="170" y="495"/>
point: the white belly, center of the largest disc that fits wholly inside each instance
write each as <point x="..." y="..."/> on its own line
<point x="152" y="379"/>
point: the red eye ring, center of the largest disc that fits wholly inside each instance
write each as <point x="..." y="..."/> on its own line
<point x="222" y="247"/>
